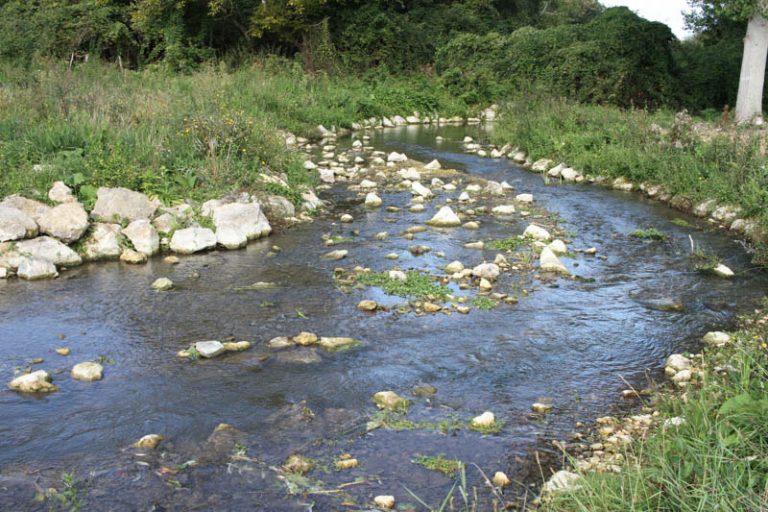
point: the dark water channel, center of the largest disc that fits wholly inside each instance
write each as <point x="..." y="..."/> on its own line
<point x="571" y="341"/>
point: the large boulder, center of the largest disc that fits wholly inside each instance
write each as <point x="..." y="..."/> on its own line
<point x="191" y="240"/>
<point x="143" y="236"/>
<point x="103" y="243"/>
<point x="278" y="208"/>
<point x="246" y="217"/>
<point x="231" y="237"/>
<point x="122" y="205"/>
<point x="33" y="209"/>
<point x="43" y="247"/>
<point x="67" y="222"/>
<point x="15" y="224"/>
<point x="33" y="269"/>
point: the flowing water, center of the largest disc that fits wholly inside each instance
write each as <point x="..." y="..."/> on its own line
<point x="576" y="342"/>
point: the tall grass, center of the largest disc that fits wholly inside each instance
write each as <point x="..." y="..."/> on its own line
<point x="177" y="136"/>
<point x="716" y="460"/>
<point x="697" y="160"/>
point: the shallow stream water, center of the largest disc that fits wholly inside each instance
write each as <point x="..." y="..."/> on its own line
<point x="575" y="342"/>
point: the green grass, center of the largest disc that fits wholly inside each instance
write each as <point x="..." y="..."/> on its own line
<point x="177" y="136"/>
<point x="439" y="463"/>
<point x="508" y="244"/>
<point x="728" y="166"/>
<point x="484" y="303"/>
<point x="649" y="234"/>
<point x="716" y="460"/>
<point x="417" y="284"/>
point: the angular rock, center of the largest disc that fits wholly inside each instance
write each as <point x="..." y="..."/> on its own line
<point x="278" y="207"/>
<point x="102" y="243"/>
<point x="434" y="165"/>
<point x="15" y="224"/>
<point x="31" y="208"/>
<point x="420" y="190"/>
<point x="558" y="247"/>
<point x="88" y="371"/>
<point x="122" y="205"/>
<point x="209" y="349"/>
<point x="561" y="482"/>
<point x="336" y="255"/>
<point x="50" y="249"/>
<point x="191" y="240"/>
<point x="500" y="479"/>
<point x="231" y="237"/>
<point x="247" y="217"/>
<point x="33" y="269"/>
<point x="524" y="198"/>
<point x="549" y="262"/>
<point x="66" y="222"/>
<point x="677" y="363"/>
<point x="280" y="342"/>
<point x="143" y="236"/>
<point x="445" y="217"/>
<point x="453" y="267"/>
<point x="61" y="193"/>
<point x="489" y="271"/>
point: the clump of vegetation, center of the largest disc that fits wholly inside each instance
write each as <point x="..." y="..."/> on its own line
<point x="448" y="467"/>
<point x="484" y="303"/>
<point x="715" y="459"/>
<point x="678" y="221"/>
<point x="69" y="496"/>
<point x="508" y="244"/>
<point x="649" y="234"/>
<point x="416" y="284"/>
<point x="492" y="429"/>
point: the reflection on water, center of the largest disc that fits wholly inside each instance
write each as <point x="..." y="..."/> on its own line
<point x="575" y="343"/>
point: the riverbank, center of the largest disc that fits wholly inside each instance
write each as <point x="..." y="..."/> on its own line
<point x="709" y="168"/>
<point x="699" y="442"/>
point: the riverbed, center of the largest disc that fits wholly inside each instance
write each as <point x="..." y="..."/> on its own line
<point x="574" y="343"/>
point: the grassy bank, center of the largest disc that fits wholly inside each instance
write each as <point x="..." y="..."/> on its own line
<point x="687" y="156"/>
<point x="717" y="459"/>
<point x="179" y="136"/>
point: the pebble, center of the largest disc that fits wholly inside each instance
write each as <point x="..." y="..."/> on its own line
<point x="384" y="502"/>
<point x="500" y="479"/>
<point x="63" y="351"/>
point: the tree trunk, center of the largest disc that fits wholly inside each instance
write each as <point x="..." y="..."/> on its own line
<point x="749" y="103"/>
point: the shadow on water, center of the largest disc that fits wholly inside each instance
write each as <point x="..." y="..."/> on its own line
<point x="574" y="342"/>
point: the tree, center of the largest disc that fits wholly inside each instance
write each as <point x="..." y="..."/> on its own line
<point x="749" y="101"/>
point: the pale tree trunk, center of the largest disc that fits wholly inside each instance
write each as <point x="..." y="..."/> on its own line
<point x="749" y="103"/>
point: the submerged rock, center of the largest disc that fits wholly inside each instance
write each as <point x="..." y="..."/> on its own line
<point x="336" y="255"/>
<point x="298" y="464"/>
<point x="332" y="344"/>
<point x="390" y="401"/>
<point x="305" y="339"/>
<point x="35" y="382"/>
<point x="148" y="442"/>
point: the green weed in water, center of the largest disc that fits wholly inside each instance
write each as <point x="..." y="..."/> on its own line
<point x="649" y="234"/>
<point x="448" y="467"/>
<point x="416" y="284"/>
